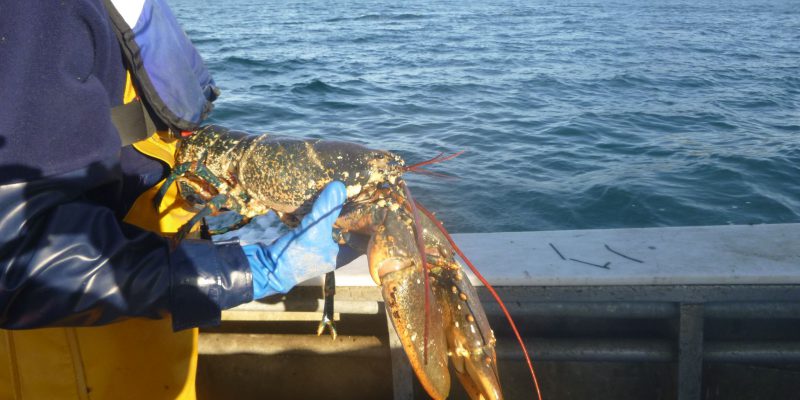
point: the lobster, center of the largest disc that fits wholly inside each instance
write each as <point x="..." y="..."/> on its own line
<point x="434" y="308"/>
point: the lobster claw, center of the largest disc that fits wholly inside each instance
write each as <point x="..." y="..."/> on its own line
<point x="395" y="261"/>
<point x="470" y="338"/>
<point x="456" y="324"/>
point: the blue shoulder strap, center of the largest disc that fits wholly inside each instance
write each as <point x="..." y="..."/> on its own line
<point x="168" y="71"/>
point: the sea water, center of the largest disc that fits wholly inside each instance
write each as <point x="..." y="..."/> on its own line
<point x="571" y="114"/>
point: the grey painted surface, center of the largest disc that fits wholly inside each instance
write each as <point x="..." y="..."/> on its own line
<point x="707" y="255"/>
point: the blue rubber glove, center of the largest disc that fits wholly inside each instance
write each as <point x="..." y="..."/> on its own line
<point x="306" y="252"/>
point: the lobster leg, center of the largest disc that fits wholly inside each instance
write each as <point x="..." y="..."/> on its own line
<point x="211" y="207"/>
<point x="242" y="221"/>
<point x="328" y="290"/>
<point x="202" y="194"/>
<point x="197" y="167"/>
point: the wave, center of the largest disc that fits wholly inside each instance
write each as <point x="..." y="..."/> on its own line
<point x="317" y="86"/>
<point x="379" y="17"/>
<point x="243" y="61"/>
<point x="259" y="66"/>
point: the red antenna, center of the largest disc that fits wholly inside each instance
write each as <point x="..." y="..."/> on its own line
<point x="435" y="160"/>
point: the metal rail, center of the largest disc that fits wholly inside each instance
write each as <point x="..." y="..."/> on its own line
<point x="689" y="308"/>
<point x="683" y="304"/>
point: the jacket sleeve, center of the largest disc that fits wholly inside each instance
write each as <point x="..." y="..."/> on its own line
<point x="66" y="258"/>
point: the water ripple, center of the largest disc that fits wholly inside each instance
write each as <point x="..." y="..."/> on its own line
<point x="595" y="114"/>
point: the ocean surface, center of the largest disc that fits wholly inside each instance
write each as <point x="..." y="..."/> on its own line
<point x="572" y="114"/>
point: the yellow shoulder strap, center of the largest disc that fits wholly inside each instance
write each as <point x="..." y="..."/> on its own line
<point x="173" y="212"/>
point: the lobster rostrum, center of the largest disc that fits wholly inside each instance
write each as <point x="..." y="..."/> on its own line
<point x="432" y="304"/>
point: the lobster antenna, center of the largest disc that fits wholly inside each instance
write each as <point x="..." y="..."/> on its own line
<point x="424" y="171"/>
<point x="435" y="160"/>
<point x="422" y="256"/>
<point x="491" y="290"/>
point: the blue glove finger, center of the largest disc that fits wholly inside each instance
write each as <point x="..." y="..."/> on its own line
<point x="317" y="225"/>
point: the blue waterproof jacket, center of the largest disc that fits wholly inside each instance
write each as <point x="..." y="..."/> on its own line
<point x="66" y="257"/>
